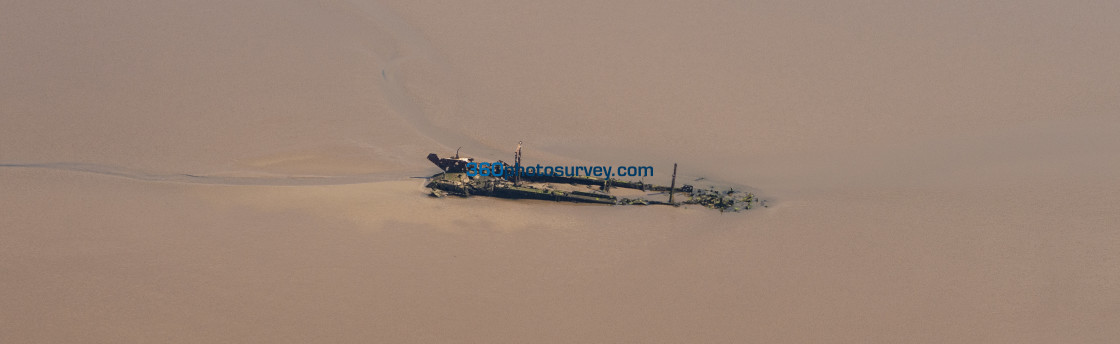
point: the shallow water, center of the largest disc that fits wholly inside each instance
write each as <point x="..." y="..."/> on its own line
<point x="213" y="172"/>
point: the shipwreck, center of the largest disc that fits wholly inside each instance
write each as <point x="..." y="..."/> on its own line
<point x="456" y="181"/>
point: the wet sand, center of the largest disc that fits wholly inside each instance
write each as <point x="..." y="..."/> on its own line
<point x="215" y="172"/>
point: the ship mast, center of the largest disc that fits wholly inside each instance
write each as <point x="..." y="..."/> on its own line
<point x="517" y="164"/>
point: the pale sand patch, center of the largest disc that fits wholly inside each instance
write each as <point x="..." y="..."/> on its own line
<point x="325" y="161"/>
<point x="392" y="204"/>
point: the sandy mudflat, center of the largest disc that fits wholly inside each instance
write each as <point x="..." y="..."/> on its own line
<point x="207" y="171"/>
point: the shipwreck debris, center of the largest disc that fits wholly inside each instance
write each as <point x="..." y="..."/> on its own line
<point x="454" y="180"/>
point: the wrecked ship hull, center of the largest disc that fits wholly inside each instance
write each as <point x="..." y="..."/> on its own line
<point x="455" y="181"/>
<point x="459" y="184"/>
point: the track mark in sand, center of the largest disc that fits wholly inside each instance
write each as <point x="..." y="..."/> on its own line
<point x="419" y="83"/>
<point x="208" y="180"/>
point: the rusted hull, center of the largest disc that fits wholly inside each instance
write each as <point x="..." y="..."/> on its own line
<point x="455" y="181"/>
<point x="460" y="185"/>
